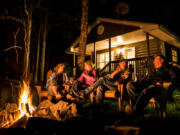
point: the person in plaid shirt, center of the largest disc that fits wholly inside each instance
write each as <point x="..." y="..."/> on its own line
<point x="56" y="81"/>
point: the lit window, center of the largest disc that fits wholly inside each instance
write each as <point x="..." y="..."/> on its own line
<point x="103" y="59"/>
<point x="174" y="55"/>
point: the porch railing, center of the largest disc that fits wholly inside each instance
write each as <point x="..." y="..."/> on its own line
<point x="140" y="66"/>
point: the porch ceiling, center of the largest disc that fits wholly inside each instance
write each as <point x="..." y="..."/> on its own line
<point x="128" y="38"/>
<point x="155" y="30"/>
<point x="166" y="36"/>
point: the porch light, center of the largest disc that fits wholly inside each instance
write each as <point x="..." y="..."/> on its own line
<point x="119" y="40"/>
<point x="118" y="51"/>
<point x="72" y="49"/>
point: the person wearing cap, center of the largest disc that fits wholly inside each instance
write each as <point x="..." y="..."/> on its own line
<point x="120" y="75"/>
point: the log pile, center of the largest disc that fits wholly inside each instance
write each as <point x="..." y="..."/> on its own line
<point x="60" y="111"/>
<point x="46" y="109"/>
<point x="9" y="114"/>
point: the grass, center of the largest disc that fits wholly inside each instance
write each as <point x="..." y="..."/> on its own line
<point x="111" y="107"/>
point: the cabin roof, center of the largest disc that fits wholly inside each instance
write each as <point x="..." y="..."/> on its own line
<point x="154" y="30"/>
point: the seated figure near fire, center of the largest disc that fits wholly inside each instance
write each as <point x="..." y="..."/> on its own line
<point x="56" y="81"/>
<point x="120" y="75"/>
<point x="141" y="92"/>
<point x="87" y="78"/>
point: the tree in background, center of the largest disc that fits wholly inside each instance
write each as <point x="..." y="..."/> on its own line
<point x="83" y="35"/>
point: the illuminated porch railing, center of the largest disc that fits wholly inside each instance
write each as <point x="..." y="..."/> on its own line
<point x="139" y="66"/>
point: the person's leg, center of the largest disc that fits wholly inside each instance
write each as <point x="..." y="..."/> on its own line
<point x="74" y="87"/>
<point x="101" y="82"/>
<point x="99" y="96"/>
<point x="170" y="93"/>
<point x="132" y="91"/>
<point x="83" y="86"/>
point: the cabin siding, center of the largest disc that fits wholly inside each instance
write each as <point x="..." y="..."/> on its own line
<point x="168" y="50"/>
<point x="154" y="47"/>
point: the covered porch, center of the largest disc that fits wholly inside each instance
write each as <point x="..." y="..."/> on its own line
<point x="110" y="40"/>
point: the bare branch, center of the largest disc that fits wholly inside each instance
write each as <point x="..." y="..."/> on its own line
<point x="13" y="18"/>
<point x="15" y="46"/>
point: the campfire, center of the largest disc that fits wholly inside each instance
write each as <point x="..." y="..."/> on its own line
<point x="24" y="108"/>
<point x="18" y="114"/>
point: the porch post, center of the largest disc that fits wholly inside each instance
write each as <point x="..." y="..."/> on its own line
<point x="148" y="51"/>
<point x="110" y="54"/>
<point x="95" y="57"/>
<point x="74" y="64"/>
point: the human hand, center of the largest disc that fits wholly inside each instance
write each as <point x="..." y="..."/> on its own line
<point x="166" y="85"/>
<point x="83" y="74"/>
<point x="158" y="83"/>
<point x="58" y="96"/>
<point x="135" y="79"/>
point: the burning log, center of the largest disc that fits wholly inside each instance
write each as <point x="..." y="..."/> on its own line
<point x="20" y="122"/>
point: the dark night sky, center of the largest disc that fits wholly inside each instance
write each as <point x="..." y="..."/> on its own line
<point x="64" y="19"/>
<point x="66" y="26"/>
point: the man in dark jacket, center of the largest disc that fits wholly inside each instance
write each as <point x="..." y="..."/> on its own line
<point x="152" y="86"/>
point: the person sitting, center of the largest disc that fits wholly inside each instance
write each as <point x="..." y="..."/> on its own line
<point x="120" y="75"/>
<point x="87" y="78"/>
<point x="151" y="86"/>
<point x="55" y="82"/>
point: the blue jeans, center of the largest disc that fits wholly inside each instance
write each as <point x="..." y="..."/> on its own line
<point x="99" y="86"/>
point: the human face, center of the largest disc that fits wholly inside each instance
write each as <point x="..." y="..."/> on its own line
<point x="122" y="65"/>
<point x="60" y="70"/>
<point x="158" y="62"/>
<point x="87" y="67"/>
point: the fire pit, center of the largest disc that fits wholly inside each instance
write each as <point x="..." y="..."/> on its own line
<point x="13" y="112"/>
<point x="18" y="114"/>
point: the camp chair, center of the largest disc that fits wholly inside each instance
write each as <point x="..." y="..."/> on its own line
<point x="116" y="94"/>
<point x="162" y="103"/>
<point x="43" y="91"/>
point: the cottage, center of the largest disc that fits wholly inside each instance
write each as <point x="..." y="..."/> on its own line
<point x="112" y="39"/>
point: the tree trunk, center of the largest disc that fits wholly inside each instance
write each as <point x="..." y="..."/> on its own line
<point x="27" y="41"/>
<point x="43" y="53"/>
<point x="38" y="52"/>
<point x="83" y="35"/>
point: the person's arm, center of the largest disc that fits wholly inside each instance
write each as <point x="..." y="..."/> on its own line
<point x="172" y="74"/>
<point x="81" y="78"/>
<point x="126" y="76"/>
<point x="66" y="79"/>
<point x="113" y="74"/>
<point x="91" y="78"/>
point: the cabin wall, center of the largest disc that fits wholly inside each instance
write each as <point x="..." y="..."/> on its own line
<point x="169" y="54"/>
<point x="155" y="47"/>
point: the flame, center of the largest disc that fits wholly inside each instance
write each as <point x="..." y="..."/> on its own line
<point x="25" y="101"/>
<point x="25" y="107"/>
